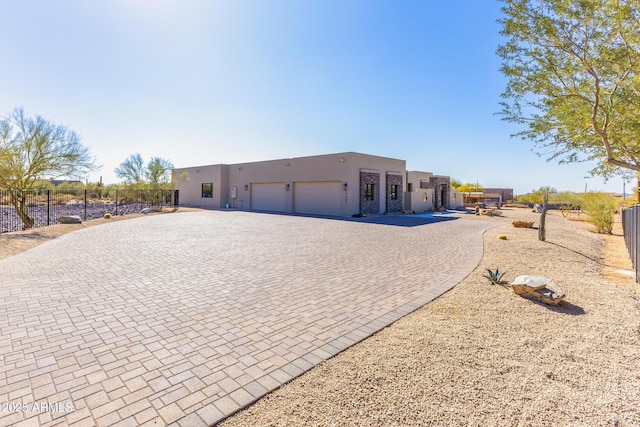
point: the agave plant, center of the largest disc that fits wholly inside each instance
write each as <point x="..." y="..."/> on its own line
<point x="495" y="277"/>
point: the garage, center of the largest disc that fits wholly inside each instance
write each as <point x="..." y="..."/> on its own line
<point x="318" y="197"/>
<point x="268" y="196"/>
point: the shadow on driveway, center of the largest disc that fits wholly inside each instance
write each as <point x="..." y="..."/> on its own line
<point x="398" y="220"/>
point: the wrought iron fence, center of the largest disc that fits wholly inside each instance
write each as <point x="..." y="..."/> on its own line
<point x="631" y="228"/>
<point x="44" y="207"/>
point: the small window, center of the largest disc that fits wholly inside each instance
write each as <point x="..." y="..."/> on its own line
<point x="393" y="192"/>
<point x="368" y="191"/>
<point x="207" y="189"/>
<point x="410" y="187"/>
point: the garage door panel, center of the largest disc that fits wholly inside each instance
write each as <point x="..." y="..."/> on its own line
<point x="268" y="196"/>
<point x="317" y="197"/>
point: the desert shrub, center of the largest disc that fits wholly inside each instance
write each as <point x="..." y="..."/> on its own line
<point x="601" y="209"/>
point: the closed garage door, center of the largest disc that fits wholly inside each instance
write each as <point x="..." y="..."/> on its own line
<point x="268" y="196"/>
<point x="317" y="197"/>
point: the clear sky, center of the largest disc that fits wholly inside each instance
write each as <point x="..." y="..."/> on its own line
<point x="226" y="81"/>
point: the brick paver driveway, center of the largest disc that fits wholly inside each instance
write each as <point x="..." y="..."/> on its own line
<point x="185" y="318"/>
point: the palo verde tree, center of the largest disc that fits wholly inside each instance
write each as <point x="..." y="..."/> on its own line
<point x="573" y="82"/>
<point x="470" y="187"/>
<point x="155" y="174"/>
<point x="33" y="148"/>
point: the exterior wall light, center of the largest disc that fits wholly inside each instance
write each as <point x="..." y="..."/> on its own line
<point x="346" y="187"/>
<point x="288" y="187"/>
<point x="246" y="187"/>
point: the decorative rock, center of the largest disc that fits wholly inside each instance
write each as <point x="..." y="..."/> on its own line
<point x="522" y="224"/>
<point x="145" y="210"/>
<point x="69" y="219"/>
<point x="539" y="288"/>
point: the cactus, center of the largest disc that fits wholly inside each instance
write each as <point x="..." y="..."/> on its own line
<point x="495" y="277"/>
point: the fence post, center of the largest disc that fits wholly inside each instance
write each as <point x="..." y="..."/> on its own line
<point x="631" y="227"/>
<point x="116" y="202"/>
<point x="85" y="205"/>
<point x="48" y="207"/>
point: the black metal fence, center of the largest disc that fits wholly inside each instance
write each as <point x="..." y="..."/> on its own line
<point x="44" y="207"/>
<point x="631" y="227"/>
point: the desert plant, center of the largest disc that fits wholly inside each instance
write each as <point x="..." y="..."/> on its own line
<point x="601" y="209"/>
<point x="502" y="236"/>
<point x="494" y="277"/>
<point x="107" y="215"/>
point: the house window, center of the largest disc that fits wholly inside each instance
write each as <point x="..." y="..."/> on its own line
<point x="393" y="192"/>
<point x="368" y="191"/>
<point x="207" y="189"/>
<point x="410" y="187"/>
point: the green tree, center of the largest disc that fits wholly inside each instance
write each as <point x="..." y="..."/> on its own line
<point x="454" y="183"/>
<point x="132" y="170"/>
<point x="155" y="174"/>
<point x="600" y="208"/>
<point x="33" y="148"/>
<point x="159" y="172"/>
<point x="470" y="187"/>
<point x="572" y="78"/>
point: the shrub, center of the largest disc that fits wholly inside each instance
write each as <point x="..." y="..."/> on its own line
<point x="107" y="215"/>
<point x="600" y="208"/>
<point x="502" y="236"/>
<point x="494" y="277"/>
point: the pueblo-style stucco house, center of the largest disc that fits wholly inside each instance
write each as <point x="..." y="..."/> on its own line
<point x="341" y="184"/>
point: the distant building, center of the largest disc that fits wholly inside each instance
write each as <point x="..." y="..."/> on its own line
<point x="506" y="194"/>
<point x="490" y="196"/>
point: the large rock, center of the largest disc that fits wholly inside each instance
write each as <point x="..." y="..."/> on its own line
<point x="539" y="288"/>
<point x="69" y="219"/>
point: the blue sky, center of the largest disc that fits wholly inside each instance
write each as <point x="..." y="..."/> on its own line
<point x="208" y="81"/>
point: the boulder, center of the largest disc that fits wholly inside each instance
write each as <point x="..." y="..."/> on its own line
<point x="69" y="219"/>
<point x="522" y="224"/>
<point x="539" y="288"/>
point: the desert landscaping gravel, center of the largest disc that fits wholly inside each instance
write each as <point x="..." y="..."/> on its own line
<point x="480" y="355"/>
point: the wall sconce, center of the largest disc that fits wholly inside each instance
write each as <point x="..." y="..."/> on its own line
<point x="246" y="187"/>
<point x="288" y="186"/>
<point x="342" y="159"/>
<point x="345" y="186"/>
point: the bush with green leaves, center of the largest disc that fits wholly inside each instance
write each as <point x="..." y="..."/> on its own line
<point x="600" y="207"/>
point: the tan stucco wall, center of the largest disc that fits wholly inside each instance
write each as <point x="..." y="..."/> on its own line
<point x="455" y="199"/>
<point x="189" y="181"/>
<point x="415" y="201"/>
<point x="343" y="167"/>
<point x="415" y="177"/>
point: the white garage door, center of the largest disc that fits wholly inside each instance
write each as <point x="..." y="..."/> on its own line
<point x="268" y="196"/>
<point x="317" y="197"/>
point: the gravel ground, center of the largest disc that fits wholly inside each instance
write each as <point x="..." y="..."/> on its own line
<point x="481" y="355"/>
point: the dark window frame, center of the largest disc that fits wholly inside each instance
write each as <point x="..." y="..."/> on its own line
<point x="369" y="192"/>
<point x="208" y="193"/>
<point x="393" y="191"/>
